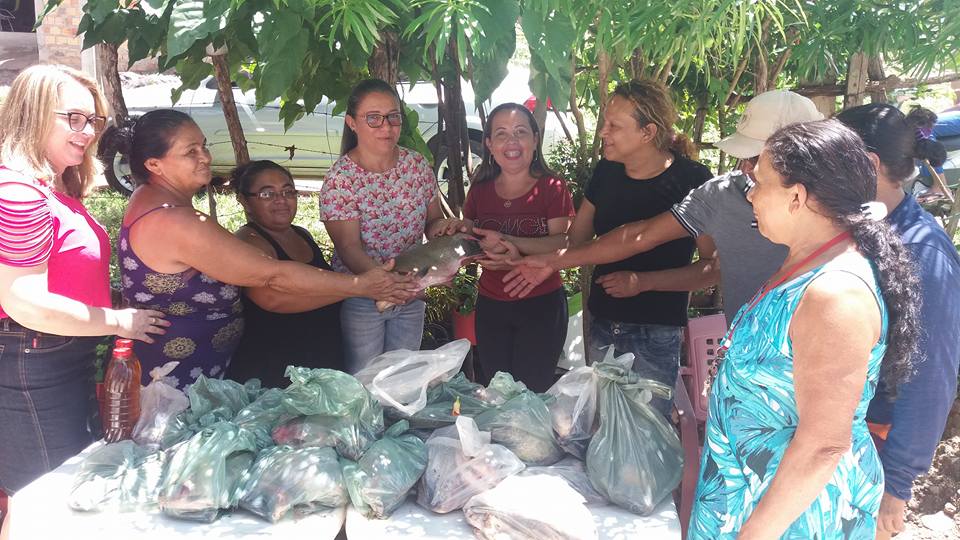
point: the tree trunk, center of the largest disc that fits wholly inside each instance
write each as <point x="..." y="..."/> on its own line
<point x="540" y="112"/>
<point x="722" y="126"/>
<point x="384" y="62"/>
<point x="108" y="76"/>
<point x="603" y="69"/>
<point x="637" y="64"/>
<point x="222" y="71"/>
<point x="761" y="66"/>
<point x="455" y="133"/>
<point x="856" y="80"/>
<point x="699" y="120"/>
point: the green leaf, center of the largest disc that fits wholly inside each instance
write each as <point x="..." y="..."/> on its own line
<point x="410" y="136"/>
<point x="194" y="20"/>
<point x="100" y="9"/>
<point x="154" y="8"/>
<point x="51" y="5"/>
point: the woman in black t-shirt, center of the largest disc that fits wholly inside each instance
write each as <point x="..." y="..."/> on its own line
<point x="646" y="170"/>
<point x="280" y="329"/>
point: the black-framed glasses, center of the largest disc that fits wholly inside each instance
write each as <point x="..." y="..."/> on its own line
<point x="79" y="121"/>
<point x="375" y="120"/>
<point x="288" y="193"/>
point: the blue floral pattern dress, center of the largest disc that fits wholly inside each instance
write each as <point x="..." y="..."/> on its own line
<point x="753" y="417"/>
<point x="205" y="315"/>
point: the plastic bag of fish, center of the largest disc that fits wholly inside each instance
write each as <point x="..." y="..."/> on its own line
<point x="304" y="480"/>
<point x="462" y="463"/>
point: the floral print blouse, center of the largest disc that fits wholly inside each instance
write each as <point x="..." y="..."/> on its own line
<point x="390" y="206"/>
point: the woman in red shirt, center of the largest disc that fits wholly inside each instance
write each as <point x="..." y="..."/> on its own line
<point x="54" y="278"/>
<point x="516" y="201"/>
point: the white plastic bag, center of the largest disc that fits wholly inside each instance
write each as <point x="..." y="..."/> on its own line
<point x="574" y="472"/>
<point x="574" y="409"/>
<point x="160" y="403"/>
<point x="400" y="378"/>
<point x="461" y="463"/>
<point x="530" y="507"/>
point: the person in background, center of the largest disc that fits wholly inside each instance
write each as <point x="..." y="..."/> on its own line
<point x="54" y="272"/>
<point x="281" y="329"/>
<point x="926" y="124"/>
<point x="377" y="201"/>
<point x="177" y="260"/>
<point x="718" y="210"/>
<point x="788" y="453"/>
<point x="517" y="202"/>
<point x="908" y="420"/>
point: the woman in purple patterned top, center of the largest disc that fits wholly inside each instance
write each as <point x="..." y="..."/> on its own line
<point x="177" y="260"/>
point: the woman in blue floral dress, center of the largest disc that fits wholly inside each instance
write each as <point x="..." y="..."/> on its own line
<point x="787" y="452"/>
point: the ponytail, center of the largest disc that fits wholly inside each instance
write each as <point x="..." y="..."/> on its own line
<point x="831" y="162"/>
<point x="900" y="288"/>
<point x="683" y="146"/>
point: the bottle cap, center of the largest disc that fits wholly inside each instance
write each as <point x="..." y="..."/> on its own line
<point x="122" y="352"/>
<point x="123" y="342"/>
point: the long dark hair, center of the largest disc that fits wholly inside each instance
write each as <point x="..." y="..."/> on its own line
<point x="150" y="136"/>
<point x="653" y="104"/>
<point x="360" y="91"/>
<point x="489" y="168"/>
<point x="893" y="137"/>
<point x="831" y="162"/>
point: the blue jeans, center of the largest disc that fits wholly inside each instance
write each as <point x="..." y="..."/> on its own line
<point x="46" y="400"/>
<point x="368" y="333"/>
<point x="656" y="350"/>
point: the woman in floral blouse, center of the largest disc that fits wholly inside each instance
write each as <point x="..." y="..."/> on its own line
<point x="378" y="200"/>
<point x="177" y="260"/>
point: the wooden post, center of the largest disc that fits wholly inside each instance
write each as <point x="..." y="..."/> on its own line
<point x="875" y="72"/>
<point x="857" y="76"/>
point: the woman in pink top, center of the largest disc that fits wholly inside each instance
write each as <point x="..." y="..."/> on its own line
<point x="54" y="284"/>
<point x="377" y="201"/>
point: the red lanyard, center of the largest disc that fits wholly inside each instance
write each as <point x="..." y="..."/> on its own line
<point x="783" y="279"/>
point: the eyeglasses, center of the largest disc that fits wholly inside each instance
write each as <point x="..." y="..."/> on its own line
<point x="375" y="120"/>
<point x="288" y="193"/>
<point x="520" y="133"/>
<point x="79" y="121"/>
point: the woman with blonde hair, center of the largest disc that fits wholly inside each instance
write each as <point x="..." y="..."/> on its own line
<point x="645" y="170"/>
<point x="54" y="272"/>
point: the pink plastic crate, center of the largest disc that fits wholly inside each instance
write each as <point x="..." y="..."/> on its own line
<point x="704" y="336"/>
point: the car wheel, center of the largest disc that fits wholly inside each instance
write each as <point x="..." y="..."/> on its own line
<point x="116" y="167"/>
<point x="441" y="169"/>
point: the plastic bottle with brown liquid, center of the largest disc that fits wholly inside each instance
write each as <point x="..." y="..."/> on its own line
<point x="121" y="385"/>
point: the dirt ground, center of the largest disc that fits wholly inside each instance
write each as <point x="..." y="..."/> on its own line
<point x="934" y="511"/>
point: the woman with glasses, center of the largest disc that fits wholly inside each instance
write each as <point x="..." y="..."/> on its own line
<point x="377" y="201"/>
<point x="281" y="329"/>
<point x="518" y="203"/>
<point x="54" y="272"/>
<point x="176" y="259"/>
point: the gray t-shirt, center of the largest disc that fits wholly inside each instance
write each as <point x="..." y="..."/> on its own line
<point x="720" y="208"/>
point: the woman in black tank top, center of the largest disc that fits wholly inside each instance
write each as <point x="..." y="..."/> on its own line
<point x="281" y="330"/>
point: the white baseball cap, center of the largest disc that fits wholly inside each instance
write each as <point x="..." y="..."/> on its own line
<point x="765" y="114"/>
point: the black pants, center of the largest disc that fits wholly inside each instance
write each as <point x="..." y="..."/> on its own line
<point x="522" y="337"/>
<point x="46" y="398"/>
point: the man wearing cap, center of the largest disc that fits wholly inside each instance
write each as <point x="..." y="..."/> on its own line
<point x="719" y="208"/>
